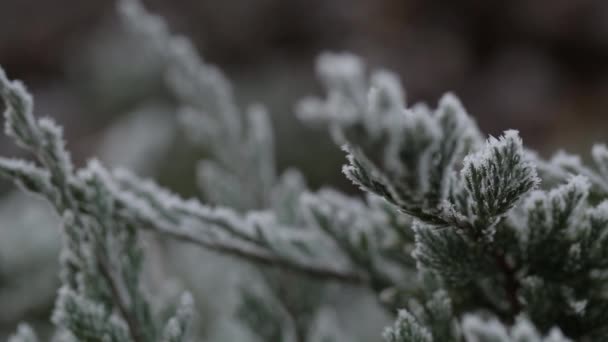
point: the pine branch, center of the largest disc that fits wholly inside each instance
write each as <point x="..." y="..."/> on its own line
<point x="151" y="206"/>
<point x="476" y="329"/>
<point x="120" y="302"/>
<point x="484" y="242"/>
<point x="24" y="334"/>
<point x="407" y="328"/>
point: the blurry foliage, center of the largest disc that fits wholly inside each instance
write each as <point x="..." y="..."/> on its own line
<point x="527" y="64"/>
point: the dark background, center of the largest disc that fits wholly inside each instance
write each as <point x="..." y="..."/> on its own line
<point x="539" y="66"/>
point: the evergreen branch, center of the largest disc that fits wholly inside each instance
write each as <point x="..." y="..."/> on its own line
<point x="24" y="334"/>
<point x="160" y="210"/>
<point x="120" y="302"/>
<point x="476" y="329"/>
<point x="485" y="244"/>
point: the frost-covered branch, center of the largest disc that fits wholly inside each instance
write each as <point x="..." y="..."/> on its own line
<point x="240" y="171"/>
<point x="101" y="214"/>
<point x="481" y="226"/>
<point x="24" y="334"/>
<point x="101" y="260"/>
<point x="144" y="203"/>
<point x="461" y="235"/>
<point x="476" y="329"/>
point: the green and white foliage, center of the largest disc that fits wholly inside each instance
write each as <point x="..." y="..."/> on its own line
<point x="477" y="329"/>
<point x="431" y="320"/>
<point x="24" y="334"/>
<point x="240" y="173"/>
<point x="101" y="260"/>
<point x="563" y="165"/>
<point x="456" y="237"/>
<point x="495" y="242"/>
<point x="415" y="150"/>
<point x="101" y="210"/>
<point x="407" y="328"/>
<point x="374" y="237"/>
<point x="101" y="296"/>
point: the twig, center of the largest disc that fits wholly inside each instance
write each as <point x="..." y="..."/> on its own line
<point x="134" y="329"/>
<point x="267" y="259"/>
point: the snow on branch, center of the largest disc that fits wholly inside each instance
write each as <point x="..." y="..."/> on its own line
<point x="494" y="180"/>
<point x="242" y="171"/>
<point x="102" y="213"/>
<point x="407" y="328"/>
<point x="476" y="329"/>
<point x="142" y="202"/>
<point x="24" y="334"/>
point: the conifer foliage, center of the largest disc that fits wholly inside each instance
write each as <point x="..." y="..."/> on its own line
<point x="460" y="238"/>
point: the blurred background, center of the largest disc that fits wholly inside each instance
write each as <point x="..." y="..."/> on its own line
<point x="535" y="65"/>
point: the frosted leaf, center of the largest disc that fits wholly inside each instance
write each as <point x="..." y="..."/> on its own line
<point x="386" y="93"/>
<point x="364" y="173"/>
<point x="341" y="70"/>
<point x="439" y="315"/>
<point x="285" y="197"/>
<point x="54" y="149"/>
<point x="87" y="320"/>
<point x="407" y="329"/>
<point x="564" y="165"/>
<point x="200" y="128"/>
<point x="495" y="179"/>
<point x="420" y="149"/>
<point x="385" y="100"/>
<point x="133" y="13"/>
<point x="600" y="156"/>
<point x="558" y="209"/>
<point x="364" y="232"/>
<point x="24" y="334"/>
<point x="477" y="329"/>
<point x="224" y="188"/>
<point x="260" y="149"/>
<point x="88" y="258"/>
<point x="448" y="253"/>
<point x="327" y="327"/>
<point x="256" y="235"/>
<point x="28" y="176"/>
<point x="176" y="329"/>
<point x="600" y="213"/>
<point x="346" y="102"/>
<point x="411" y="157"/>
<point x="196" y="84"/>
<point x="19" y="122"/>
<point x="312" y="110"/>
<point x="570" y="162"/>
<point x="409" y="148"/>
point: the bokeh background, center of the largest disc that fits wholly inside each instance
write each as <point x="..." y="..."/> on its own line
<point x="539" y="66"/>
<point x="535" y="65"/>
